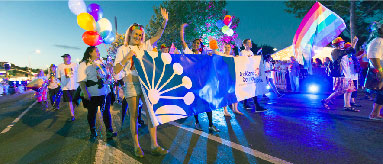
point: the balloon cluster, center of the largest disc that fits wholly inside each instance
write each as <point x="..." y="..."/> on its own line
<point x="98" y="29"/>
<point x="225" y="25"/>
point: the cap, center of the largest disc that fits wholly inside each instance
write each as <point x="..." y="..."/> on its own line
<point x="347" y="45"/>
<point x="337" y="40"/>
<point x="65" y="55"/>
<point x="52" y="65"/>
<point x="164" y="46"/>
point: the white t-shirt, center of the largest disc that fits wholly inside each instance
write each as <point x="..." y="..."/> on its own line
<point x="246" y="53"/>
<point x="375" y="49"/>
<point x="187" y="50"/>
<point x="68" y="75"/>
<point x="90" y="72"/>
<point x="124" y="51"/>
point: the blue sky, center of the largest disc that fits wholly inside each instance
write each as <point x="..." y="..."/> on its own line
<point x="34" y="33"/>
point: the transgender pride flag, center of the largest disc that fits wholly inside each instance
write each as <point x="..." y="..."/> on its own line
<point x="318" y="28"/>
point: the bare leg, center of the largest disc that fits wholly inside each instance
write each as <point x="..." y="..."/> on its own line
<point x="133" y="107"/>
<point x="225" y="111"/>
<point x="71" y="107"/>
<point x="376" y="109"/>
<point x="152" y="129"/>
<point x="235" y="109"/>
<point x="347" y="99"/>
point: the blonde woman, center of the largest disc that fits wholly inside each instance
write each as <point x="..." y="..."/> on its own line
<point x="135" y="44"/>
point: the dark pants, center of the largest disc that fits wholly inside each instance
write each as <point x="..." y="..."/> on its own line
<point x="355" y="93"/>
<point x="54" y="96"/>
<point x="92" y="105"/>
<point x="255" y="99"/>
<point x="379" y="98"/>
<point x="209" y="116"/>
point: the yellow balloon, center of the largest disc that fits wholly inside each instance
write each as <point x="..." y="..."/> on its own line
<point x="86" y="21"/>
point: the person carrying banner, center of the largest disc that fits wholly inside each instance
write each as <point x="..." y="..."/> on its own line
<point x="67" y="74"/>
<point x="197" y="48"/>
<point x="247" y="52"/>
<point x="228" y="53"/>
<point x="135" y="44"/>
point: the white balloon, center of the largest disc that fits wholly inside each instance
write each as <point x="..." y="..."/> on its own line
<point x="104" y="24"/>
<point x="77" y="6"/>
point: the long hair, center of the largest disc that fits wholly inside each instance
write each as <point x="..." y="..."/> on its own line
<point x="130" y="30"/>
<point x="87" y="52"/>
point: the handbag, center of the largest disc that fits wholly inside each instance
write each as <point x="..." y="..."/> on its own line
<point x="372" y="79"/>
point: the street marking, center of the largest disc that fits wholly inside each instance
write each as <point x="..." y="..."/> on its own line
<point x="233" y="145"/>
<point x="17" y="119"/>
<point x="109" y="154"/>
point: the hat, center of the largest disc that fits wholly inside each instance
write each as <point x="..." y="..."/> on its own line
<point x="347" y="45"/>
<point x="65" y="55"/>
<point x="52" y="65"/>
<point x="337" y="40"/>
<point x="164" y="46"/>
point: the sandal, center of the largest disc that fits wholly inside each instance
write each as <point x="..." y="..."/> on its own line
<point x="324" y="103"/>
<point x="238" y="112"/>
<point x="375" y="117"/>
<point x="351" y="109"/>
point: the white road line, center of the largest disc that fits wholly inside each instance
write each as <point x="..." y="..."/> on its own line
<point x="109" y="154"/>
<point x="233" y="145"/>
<point x="17" y="119"/>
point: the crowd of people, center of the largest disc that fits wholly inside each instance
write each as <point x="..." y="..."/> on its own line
<point x="100" y="82"/>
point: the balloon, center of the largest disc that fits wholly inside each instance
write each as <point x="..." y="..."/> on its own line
<point x="213" y="44"/>
<point x="219" y="24"/>
<point x="100" y="40"/>
<point x="104" y="25"/>
<point x="96" y="11"/>
<point x="227" y="16"/>
<point x="77" y="6"/>
<point x="227" y="21"/>
<point x="105" y="33"/>
<point x="86" y="21"/>
<point x="225" y="29"/>
<point x="110" y="38"/>
<point x="91" y="38"/>
<point x="230" y="32"/>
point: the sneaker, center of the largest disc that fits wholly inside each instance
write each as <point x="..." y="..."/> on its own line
<point x="261" y="109"/>
<point x="246" y="107"/>
<point x="158" y="151"/>
<point x="325" y="104"/>
<point x="110" y="134"/>
<point x="213" y="129"/>
<point x="356" y="105"/>
<point x="141" y="122"/>
<point x="93" y="135"/>
<point x="73" y="118"/>
<point x="198" y="126"/>
<point x="138" y="152"/>
<point x="280" y="95"/>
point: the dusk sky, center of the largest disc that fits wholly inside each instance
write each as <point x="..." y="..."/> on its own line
<point x="36" y="34"/>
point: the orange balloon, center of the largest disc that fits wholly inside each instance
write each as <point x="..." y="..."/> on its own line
<point x="91" y="38"/>
<point x="213" y="44"/>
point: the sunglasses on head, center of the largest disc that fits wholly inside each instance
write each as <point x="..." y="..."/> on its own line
<point x="136" y="26"/>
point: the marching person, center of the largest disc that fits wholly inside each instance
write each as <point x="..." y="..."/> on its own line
<point x="67" y="74"/>
<point x="135" y="43"/>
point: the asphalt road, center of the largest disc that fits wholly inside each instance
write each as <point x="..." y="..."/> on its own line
<point x="296" y="129"/>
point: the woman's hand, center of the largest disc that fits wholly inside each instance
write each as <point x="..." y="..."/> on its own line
<point x="164" y="14"/>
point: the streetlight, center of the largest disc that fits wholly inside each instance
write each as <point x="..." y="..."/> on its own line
<point x="275" y="49"/>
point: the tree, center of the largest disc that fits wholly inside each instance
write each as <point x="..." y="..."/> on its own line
<point x="201" y="17"/>
<point x="356" y="14"/>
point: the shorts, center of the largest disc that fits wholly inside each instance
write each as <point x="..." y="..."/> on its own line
<point x="343" y="85"/>
<point x="119" y="83"/>
<point x="132" y="90"/>
<point x="68" y="95"/>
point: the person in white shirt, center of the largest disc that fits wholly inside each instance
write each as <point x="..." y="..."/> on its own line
<point x="197" y="48"/>
<point x="247" y="52"/>
<point x="54" y="88"/>
<point x="92" y="77"/>
<point x="135" y="44"/>
<point x="228" y="53"/>
<point x="67" y="74"/>
<point x="375" y="55"/>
